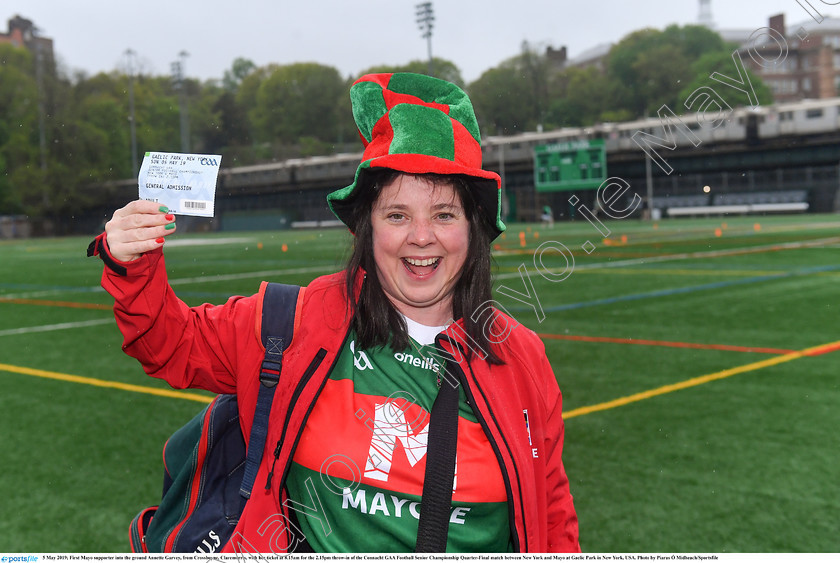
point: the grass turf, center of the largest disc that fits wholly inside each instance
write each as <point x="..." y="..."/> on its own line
<point x="746" y="463"/>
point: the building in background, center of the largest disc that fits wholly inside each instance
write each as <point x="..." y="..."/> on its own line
<point x="23" y="33"/>
<point x="796" y="62"/>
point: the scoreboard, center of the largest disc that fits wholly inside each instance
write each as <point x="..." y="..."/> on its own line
<point x="573" y="165"/>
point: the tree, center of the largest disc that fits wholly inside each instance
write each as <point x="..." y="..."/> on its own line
<point x="18" y="124"/>
<point x="494" y="96"/>
<point x="441" y="68"/>
<point x="578" y="97"/>
<point x="513" y="96"/>
<point x="240" y="69"/>
<point x="298" y="100"/>
<point x="721" y="61"/>
<point x="653" y="66"/>
<point x="229" y="127"/>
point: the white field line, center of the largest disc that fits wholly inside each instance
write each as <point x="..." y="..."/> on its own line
<point x="59" y="326"/>
<point x="265" y="274"/>
<point x="179" y="281"/>
<point x="246" y="275"/>
<point x="208" y="241"/>
<point x="42" y="293"/>
<point x="685" y="256"/>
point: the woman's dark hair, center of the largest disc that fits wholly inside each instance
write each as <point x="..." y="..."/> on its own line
<point x="376" y="321"/>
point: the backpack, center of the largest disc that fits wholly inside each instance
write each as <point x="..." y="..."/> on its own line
<point x="208" y="474"/>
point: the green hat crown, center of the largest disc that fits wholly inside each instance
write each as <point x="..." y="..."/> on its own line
<point x="418" y="124"/>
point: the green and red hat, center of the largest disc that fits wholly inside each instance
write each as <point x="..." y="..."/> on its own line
<point x="418" y="124"/>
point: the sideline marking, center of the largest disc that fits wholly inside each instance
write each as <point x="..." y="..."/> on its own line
<point x="824" y="349"/>
<point x="684" y="272"/>
<point x="640" y="342"/>
<point x="654" y="258"/>
<point x="103" y="383"/>
<point x="265" y="274"/>
<point x="209" y="241"/>
<point x="59" y="326"/>
<point x="695" y="381"/>
<point x="176" y="281"/>
<point x="71" y="304"/>
<point x="681" y="290"/>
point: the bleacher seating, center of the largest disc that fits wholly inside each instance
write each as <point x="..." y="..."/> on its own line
<point x="739" y="203"/>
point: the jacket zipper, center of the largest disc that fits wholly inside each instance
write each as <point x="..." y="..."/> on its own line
<point x="309" y="372"/>
<point x="311" y="405"/>
<point x="497" y="451"/>
<point x="307" y="375"/>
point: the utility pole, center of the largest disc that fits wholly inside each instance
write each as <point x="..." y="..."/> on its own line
<point x="425" y="21"/>
<point x="129" y="53"/>
<point x="178" y="77"/>
<point x="42" y="126"/>
<point x="505" y="203"/>
<point x="705" y="18"/>
<point x="649" y="179"/>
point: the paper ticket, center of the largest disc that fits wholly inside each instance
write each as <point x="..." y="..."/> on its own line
<point x="185" y="183"/>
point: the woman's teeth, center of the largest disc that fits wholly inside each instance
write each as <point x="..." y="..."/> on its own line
<point x="424" y="262"/>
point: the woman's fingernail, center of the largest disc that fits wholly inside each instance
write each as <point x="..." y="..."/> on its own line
<point x="170" y="217"/>
<point x="163" y="209"/>
<point x="159" y="240"/>
<point x="170" y="226"/>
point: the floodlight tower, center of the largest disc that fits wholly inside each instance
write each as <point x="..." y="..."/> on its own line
<point x="178" y="78"/>
<point x="425" y="20"/>
<point x="42" y="95"/>
<point x="130" y="54"/>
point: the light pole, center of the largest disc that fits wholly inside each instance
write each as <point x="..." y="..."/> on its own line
<point x="178" y="76"/>
<point x="425" y="21"/>
<point x="42" y="126"/>
<point x="129" y="53"/>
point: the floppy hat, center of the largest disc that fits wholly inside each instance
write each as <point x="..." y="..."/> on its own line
<point x="418" y="124"/>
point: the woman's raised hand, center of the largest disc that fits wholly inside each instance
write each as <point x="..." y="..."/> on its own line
<point x="138" y="228"/>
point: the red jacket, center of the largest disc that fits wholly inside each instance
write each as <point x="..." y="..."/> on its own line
<point x="218" y="348"/>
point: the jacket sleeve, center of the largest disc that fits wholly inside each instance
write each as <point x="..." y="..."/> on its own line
<point x="562" y="518"/>
<point x="200" y="347"/>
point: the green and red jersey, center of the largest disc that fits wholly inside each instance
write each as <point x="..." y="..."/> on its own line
<point x="363" y="449"/>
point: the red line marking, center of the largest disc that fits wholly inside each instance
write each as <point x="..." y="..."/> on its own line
<point x="71" y="304"/>
<point x="640" y="342"/>
<point x="824" y="349"/>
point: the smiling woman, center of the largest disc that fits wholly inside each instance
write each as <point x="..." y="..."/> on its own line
<point x="373" y="452"/>
<point x="420" y="240"/>
<point x="428" y="240"/>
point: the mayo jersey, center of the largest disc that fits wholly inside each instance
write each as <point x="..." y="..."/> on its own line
<point x="363" y="453"/>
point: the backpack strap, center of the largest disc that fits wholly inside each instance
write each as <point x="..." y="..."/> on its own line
<point x="279" y="305"/>
<point x="436" y="502"/>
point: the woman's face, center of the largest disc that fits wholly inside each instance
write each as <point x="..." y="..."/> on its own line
<point x="420" y="242"/>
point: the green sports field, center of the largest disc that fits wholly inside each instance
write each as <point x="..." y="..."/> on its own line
<point x="699" y="362"/>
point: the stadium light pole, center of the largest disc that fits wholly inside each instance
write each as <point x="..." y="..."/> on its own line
<point x="649" y="183"/>
<point x="425" y="21"/>
<point x="42" y="126"/>
<point x="129" y="53"/>
<point x="178" y="77"/>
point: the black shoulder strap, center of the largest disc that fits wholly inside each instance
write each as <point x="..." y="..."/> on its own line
<point x="435" y="506"/>
<point x="278" y="324"/>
